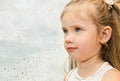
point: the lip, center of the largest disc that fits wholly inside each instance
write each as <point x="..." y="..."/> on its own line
<point x="71" y="49"/>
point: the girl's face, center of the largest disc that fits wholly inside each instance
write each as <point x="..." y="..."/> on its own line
<point x="81" y="39"/>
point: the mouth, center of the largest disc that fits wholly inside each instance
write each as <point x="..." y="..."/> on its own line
<point x="71" y="49"/>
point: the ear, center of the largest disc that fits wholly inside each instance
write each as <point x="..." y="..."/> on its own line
<point x="105" y="34"/>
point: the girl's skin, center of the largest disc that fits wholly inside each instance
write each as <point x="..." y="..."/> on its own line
<point x="83" y="42"/>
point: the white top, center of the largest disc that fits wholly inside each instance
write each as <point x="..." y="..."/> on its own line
<point x="97" y="76"/>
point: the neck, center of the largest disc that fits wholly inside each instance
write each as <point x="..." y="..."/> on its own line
<point x="89" y="67"/>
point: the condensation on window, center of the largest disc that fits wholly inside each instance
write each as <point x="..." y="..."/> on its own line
<point x="33" y="68"/>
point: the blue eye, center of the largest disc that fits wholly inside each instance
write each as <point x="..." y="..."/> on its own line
<point x="65" y="31"/>
<point x="77" y="29"/>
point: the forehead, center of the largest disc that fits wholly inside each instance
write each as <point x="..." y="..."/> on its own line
<point x="77" y="14"/>
<point x="70" y="19"/>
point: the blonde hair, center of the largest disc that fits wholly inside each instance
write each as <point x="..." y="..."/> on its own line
<point x="118" y="3"/>
<point x="104" y="16"/>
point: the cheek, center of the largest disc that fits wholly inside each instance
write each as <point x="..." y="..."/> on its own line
<point x="65" y="46"/>
<point x="88" y="44"/>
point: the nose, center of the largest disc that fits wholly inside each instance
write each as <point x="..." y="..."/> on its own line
<point x="68" y="39"/>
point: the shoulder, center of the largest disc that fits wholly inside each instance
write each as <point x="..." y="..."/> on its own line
<point x="112" y="75"/>
<point x="67" y="74"/>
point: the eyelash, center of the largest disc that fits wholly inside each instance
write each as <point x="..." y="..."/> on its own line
<point x="77" y="29"/>
<point x="65" y="31"/>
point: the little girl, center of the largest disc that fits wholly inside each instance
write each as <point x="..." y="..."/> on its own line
<point x="92" y="38"/>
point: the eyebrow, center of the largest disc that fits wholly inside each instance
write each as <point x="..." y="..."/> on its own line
<point x="63" y="28"/>
<point x="77" y="25"/>
<point x="73" y="26"/>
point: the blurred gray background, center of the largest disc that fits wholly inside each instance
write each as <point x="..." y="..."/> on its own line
<point x="31" y="40"/>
